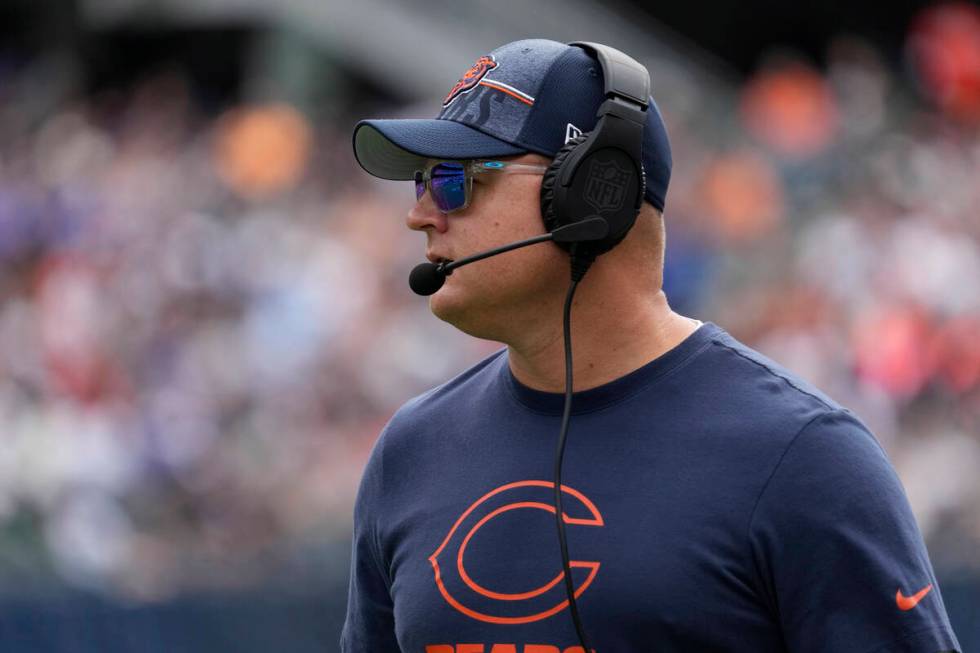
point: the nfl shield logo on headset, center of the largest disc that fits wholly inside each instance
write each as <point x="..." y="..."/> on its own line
<point x="606" y="185"/>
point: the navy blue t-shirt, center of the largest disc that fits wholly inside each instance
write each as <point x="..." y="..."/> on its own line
<point x="713" y="502"/>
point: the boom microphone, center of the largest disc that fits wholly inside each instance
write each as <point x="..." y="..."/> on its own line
<point x="427" y="278"/>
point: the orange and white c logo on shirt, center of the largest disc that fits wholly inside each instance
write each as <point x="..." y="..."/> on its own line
<point x="540" y="602"/>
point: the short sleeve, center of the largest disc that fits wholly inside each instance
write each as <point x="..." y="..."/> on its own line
<point x="838" y="553"/>
<point x="370" y="624"/>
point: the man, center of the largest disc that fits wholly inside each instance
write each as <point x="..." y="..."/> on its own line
<point x="713" y="500"/>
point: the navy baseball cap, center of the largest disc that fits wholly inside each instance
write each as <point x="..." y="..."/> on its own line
<point x="525" y="96"/>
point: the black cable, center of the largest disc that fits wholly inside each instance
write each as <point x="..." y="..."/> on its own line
<point x="579" y="267"/>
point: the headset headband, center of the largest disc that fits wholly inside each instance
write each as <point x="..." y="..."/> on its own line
<point x="623" y="75"/>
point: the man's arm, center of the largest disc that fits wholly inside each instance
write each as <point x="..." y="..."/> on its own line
<point x="370" y="623"/>
<point x="838" y="551"/>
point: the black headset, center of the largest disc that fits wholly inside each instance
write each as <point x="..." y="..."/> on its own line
<point x="597" y="174"/>
<point x="600" y="173"/>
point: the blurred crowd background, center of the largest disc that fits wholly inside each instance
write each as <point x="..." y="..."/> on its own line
<point x="204" y="312"/>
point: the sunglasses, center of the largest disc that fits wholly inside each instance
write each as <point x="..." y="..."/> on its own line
<point x="451" y="182"/>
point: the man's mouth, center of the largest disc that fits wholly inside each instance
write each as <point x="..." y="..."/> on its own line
<point x="435" y="258"/>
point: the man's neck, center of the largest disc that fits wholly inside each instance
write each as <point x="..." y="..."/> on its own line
<point x="606" y="344"/>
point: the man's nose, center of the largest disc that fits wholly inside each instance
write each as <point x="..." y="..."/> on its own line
<point x="425" y="214"/>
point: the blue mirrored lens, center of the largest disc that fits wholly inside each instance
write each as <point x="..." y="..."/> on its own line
<point x="448" y="185"/>
<point x="419" y="185"/>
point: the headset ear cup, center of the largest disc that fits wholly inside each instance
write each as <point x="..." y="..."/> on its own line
<point x="548" y="212"/>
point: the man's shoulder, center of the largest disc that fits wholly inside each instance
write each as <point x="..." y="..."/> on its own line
<point x="772" y="411"/>
<point x="743" y="393"/>
<point x="762" y="376"/>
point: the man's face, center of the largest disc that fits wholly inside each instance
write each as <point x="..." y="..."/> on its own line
<point x="490" y="298"/>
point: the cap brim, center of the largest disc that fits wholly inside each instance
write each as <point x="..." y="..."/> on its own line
<point x="395" y="149"/>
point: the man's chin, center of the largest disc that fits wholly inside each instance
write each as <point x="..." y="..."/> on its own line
<point x="464" y="313"/>
<point x="448" y="306"/>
